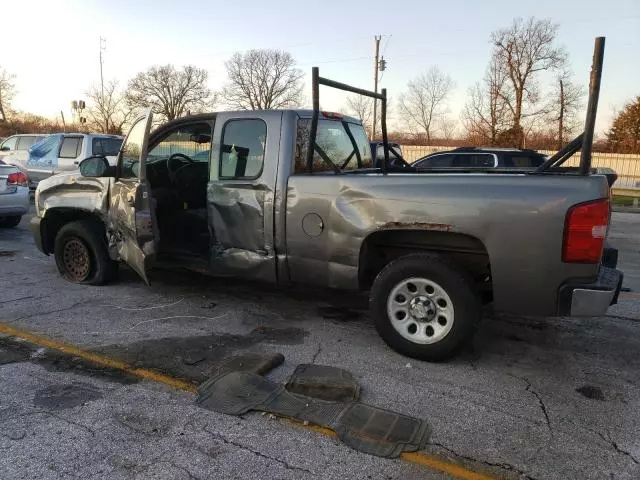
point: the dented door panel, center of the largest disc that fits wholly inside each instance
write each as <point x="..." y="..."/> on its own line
<point x="130" y="229"/>
<point x="241" y="210"/>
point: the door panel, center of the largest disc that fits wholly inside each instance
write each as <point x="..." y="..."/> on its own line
<point x="131" y="214"/>
<point x="240" y="194"/>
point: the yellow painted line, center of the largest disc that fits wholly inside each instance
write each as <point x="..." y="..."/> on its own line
<point x="449" y="468"/>
<point x="628" y="294"/>
<point x="98" y="359"/>
<point x="423" y="459"/>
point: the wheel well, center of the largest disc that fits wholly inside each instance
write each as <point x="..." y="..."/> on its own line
<point x="56" y="218"/>
<point x="467" y="253"/>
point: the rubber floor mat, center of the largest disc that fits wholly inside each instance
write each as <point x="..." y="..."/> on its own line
<point x="260" y="364"/>
<point x="363" y="427"/>
<point x="324" y="382"/>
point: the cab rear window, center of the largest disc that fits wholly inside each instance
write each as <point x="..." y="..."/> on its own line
<point x="344" y="145"/>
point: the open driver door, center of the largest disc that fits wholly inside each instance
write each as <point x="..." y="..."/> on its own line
<point x="132" y="222"/>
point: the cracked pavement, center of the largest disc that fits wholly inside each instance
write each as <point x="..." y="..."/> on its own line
<point x="532" y="398"/>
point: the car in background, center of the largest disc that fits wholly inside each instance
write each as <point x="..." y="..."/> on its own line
<point x="15" y="149"/>
<point x="62" y="152"/>
<point x="377" y="153"/>
<point x="14" y="195"/>
<point x="482" y="157"/>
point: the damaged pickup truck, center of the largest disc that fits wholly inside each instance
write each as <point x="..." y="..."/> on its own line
<point x="291" y="196"/>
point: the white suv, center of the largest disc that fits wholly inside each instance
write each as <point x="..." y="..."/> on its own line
<point x="62" y="152"/>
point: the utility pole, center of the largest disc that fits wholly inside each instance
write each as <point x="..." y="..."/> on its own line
<point x="561" y="117"/>
<point x="376" y="66"/>
<point x="103" y="46"/>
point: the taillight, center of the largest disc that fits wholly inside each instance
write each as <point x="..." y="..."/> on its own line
<point x="585" y="231"/>
<point x="332" y="115"/>
<point x="18" y="178"/>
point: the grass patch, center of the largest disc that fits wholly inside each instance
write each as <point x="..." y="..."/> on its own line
<point x="623" y="200"/>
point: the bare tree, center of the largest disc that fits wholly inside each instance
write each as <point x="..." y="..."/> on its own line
<point x="448" y="127"/>
<point x="360" y="107"/>
<point x="486" y="113"/>
<point x="425" y="101"/>
<point x="169" y="92"/>
<point x="109" y="111"/>
<point x="523" y="50"/>
<point x="565" y="106"/>
<point x="7" y="92"/>
<point x="263" y="79"/>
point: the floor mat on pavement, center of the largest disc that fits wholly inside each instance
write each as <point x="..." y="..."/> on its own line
<point x="363" y="427"/>
<point x="260" y="364"/>
<point x="324" y="382"/>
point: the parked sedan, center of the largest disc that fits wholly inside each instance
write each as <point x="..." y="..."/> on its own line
<point x="14" y="195"/>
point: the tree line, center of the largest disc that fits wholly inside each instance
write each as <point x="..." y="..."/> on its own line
<point x="526" y="98"/>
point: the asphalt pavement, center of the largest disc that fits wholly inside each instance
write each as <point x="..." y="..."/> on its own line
<point x="532" y="398"/>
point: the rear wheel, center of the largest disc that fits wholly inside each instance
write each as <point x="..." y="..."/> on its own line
<point x="423" y="307"/>
<point x="81" y="254"/>
<point x="10" y="222"/>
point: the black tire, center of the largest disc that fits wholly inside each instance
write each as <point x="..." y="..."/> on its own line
<point x="467" y="307"/>
<point x="10" y="222"/>
<point x="81" y="254"/>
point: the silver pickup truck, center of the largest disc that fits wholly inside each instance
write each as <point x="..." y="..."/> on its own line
<point x="291" y="197"/>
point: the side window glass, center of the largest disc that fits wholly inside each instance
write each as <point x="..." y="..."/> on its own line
<point x="473" y="160"/>
<point x="70" y="147"/>
<point x="132" y="149"/>
<point x="336" y="144"/>
<point x="194" y="141"/>
<point x="486" y="161"/>
<point x="109" y="147"/>
<point x="9" y="144"/>
<point x="25" y="143"/>
<point x="242" y="149"/>
<point x="437" y="161"/>
<point x="45" y="153"/>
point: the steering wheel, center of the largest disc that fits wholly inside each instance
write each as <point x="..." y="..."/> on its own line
<point x="177" y="158"/>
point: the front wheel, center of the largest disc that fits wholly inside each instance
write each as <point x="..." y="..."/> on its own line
<point x="81" y="254"/>
<point x="423" y="307"/>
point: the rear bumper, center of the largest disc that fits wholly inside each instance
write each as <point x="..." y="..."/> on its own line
<point x="591" y="299"/>
<point x="16" y="203"/>
<point x="34" y="226"/>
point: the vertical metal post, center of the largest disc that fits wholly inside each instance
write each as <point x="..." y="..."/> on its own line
<point x="375" y="86"/>
<point x="315" y="92"/>
<point x="592" y="107"/>
<point x="383" y="125"/>
<point x="102" y="47"/>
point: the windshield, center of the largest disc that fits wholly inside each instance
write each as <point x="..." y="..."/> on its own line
<point x="344" y="144"/>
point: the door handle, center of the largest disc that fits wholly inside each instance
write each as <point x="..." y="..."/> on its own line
<point x="131" y="201"/>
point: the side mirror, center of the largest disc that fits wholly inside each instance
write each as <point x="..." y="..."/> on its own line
<point x="96" y="166"/>
<point x="5" y="148"/>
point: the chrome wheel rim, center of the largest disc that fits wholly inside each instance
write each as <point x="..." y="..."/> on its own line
<point x="420" y="310"/>
<point x="76" y="260"/>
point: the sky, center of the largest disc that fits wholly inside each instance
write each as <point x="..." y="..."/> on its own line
<point x="53" y="45"/>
